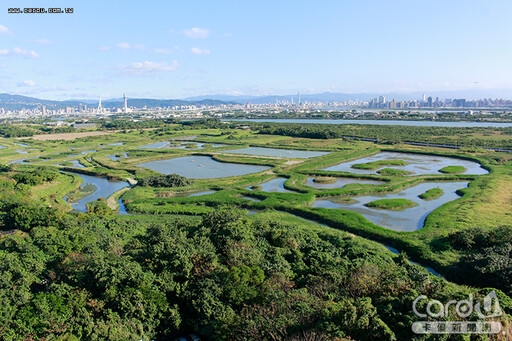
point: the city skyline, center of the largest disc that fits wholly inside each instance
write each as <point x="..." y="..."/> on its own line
<point x="178" y="50"/>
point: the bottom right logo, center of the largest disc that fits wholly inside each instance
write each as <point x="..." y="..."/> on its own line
<point x="434" y="309"/>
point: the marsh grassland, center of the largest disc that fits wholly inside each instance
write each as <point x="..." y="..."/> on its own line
<point x="259" y="231"/>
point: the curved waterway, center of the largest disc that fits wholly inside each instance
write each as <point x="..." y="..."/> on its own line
<point x="105" y="188"/>
<point x="274" y="185"/>
<point x="378" y="122"/>
<point x="418" y="164"/>
<point x="409" y="219"/>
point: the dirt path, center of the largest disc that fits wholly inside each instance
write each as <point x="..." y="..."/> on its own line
<point x="112" y="200"/>
<point x="131" y="181"/>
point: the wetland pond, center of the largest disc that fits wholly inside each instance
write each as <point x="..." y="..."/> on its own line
<point x="201" y="167"/>
<point x="418" y="164"/>
<point x="180" y="145"/>
<point x="340" y="182"/>
<point x="409" y="219"/>
<point x="104" y="189"/>
<point x="274" y="185"/>
<point x="287" y="153"/>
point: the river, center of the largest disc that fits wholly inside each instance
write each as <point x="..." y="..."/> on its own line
<point x="424" y="123"/>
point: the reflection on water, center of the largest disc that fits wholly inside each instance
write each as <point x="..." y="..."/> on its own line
<point x="84" y="152"/>
<point x="122" y="208"/>
<point x="422" y="123"/>
<point x="274" y="185"/>
<point x="105" y="188"/>
<point x="200" y="193"/>
<point x="417" y="163"/>
<point x="75" y="164"/>
<point x="115" y="157"/>
<point x="201" y="167"/>
<point x="410" y="219"/>
<point x="301" y="154"/>
<point x="179" y="145"/>
<point x="340" y="182"/>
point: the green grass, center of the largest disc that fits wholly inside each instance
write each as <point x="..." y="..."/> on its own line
<point x="431" y="194"/>
<point x="453" y="169"/>
<point x="391" y="204"/>
<point x="392" y="171"/>
<point x="378" y="164"/>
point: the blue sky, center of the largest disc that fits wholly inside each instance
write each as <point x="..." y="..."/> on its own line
<point x="175" y="49"/>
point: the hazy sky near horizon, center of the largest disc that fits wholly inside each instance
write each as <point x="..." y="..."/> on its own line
<point x="175" y="49"/>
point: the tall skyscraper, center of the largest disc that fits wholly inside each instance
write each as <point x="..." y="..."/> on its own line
<point x="429" y="101"/>
<point x="125" y="108"/>
<point x="100" y="108"/>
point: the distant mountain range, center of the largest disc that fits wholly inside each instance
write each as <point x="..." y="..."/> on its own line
<point x="342" y="97"/>
<point x="17" y="102"/>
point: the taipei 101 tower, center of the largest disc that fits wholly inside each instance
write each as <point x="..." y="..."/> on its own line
<point x="125" y="108"/>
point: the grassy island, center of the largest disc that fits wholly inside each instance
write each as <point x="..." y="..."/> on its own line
<point x="378" y="164"/>
<point x="431" y="194"/>
<point x="453" y="169"/>
<point x="392" y="171"/>
<point x="391" y="204"/>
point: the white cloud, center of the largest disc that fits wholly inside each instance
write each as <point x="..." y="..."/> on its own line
<point x="104" y="48"/>
<point x="19" y="52"/>
<point x="128" y="46"/>
<point x="148" y="67"/>
<point x="197" y="50"/>
<point x="124" y="46"/>
<point x="197" y="33"/>
<point x="43" y="41"/>
<point x="163" y="51"/>
<point x="4" y="29"/>
<point x="27" y="83"/>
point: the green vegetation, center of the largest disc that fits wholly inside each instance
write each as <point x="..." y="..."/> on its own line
<point x="378" y="164"/>
<point x="431" y="194"/>
<point x="227" y="277"/>
<point x="391" y="204"/>
<point x="324" y="180"/>
<point x="393" y="171"/>
<point x="171" y="180"/>
<point x="453" y="169"/>
<point x="200" y="263"/>
<point x="488" y="137"/>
